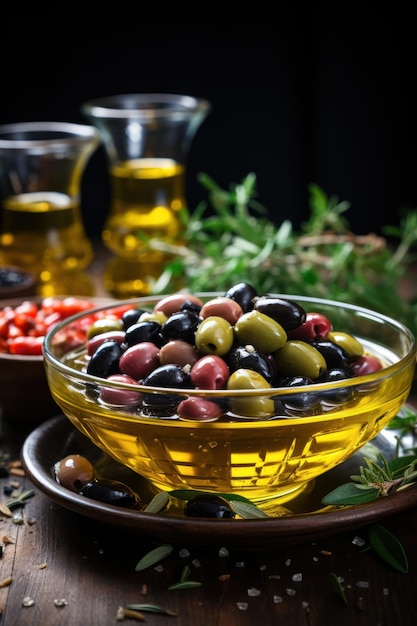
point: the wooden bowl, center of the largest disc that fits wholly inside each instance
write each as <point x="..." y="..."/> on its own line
<point x="16" y="283"/>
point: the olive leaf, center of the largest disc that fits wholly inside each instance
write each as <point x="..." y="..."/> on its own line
<point x="247" y="511"/>
<point x="388" y="547"/>
<point x="158" y="502"/>
<point x="402" y="464"/>
<point x="187" y="494"/>
<point x="350" y="494"/>
<point x="184" y="583"/>
<point x="20" y="500"/>
<point x="152" y="557"/>
<point x="338" y="587"/>
<point x="151" y="608"/>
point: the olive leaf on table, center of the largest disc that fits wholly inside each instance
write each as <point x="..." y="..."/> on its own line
<point x="230" y="238"/>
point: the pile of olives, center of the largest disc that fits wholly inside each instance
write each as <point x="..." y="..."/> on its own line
<point x="236" y="341"/>
<point x="76" y="473"/>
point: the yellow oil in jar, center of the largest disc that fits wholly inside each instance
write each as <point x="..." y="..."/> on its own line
<point x="147" y="196"/>
<point x="43" y="233"/>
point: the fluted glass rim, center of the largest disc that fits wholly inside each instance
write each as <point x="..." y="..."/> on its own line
<point x="45" y="133"/>
<point x="144" y="105"/>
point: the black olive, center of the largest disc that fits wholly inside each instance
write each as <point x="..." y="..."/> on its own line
<point x="191" y="306"/>
<point x="247" y="357"/>
<point x="336" y="373"/>
<point x="105" y="360"/>
<point x="166" y="376"/>
<point x="303" y="402"/>
<point x="286" y="312"/>
<point x="131" y="316"/>
<point x="334" y="355"/>
<point x="111" y="492"/>
<point x="209" y="505"/>
<point x="144" y="331"/>
<point x="243" y="294"/>
<point x="342" y="394"/>
<point x="181" y="325"/>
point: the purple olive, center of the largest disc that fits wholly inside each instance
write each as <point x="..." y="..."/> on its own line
<point x="210" y="372"/>
<point x="199" y="410"/>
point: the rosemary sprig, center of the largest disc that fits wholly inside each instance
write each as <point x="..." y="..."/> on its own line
<point x="375" y="479"/>
<point x="230" y="239"/>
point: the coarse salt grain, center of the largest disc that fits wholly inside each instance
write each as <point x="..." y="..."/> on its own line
<point x="184" y="553"/>
<point x="296" y="578"/>
<point x="362" y="584"/>
<point x="196" y="563"/>
<point x="240" y="564"/>
<point x="277" y="599"/>
<point x="253" y="592"/>
<point x="28" y="601"/>
<point x="242" y="606"/>
<point x="288" y="562"/>
<point x="290" y="592"/>
<point x="358" y="541"/>
<point x="223" y="552"/>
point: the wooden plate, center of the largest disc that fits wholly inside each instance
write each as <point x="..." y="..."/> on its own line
<point x="307" y="520"/>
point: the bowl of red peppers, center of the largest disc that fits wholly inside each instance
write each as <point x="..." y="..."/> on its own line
<point x="25" y="399"/>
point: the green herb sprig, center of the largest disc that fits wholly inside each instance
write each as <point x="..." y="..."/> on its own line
<point x="375" y="479"/>
<point x="236" y="241"/>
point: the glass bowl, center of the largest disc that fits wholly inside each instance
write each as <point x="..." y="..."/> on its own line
<point x="268" y="458"/>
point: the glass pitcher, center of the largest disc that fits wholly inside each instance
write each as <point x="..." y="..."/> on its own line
<point x="147" y="139"/>
<point x="42" y="231"/>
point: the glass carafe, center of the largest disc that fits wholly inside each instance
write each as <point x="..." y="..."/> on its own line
<point x="42" y="230"/>
<point x="147" y="139"/>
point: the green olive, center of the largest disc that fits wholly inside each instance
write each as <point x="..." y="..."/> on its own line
<point x="351" y="345"/>
<point x="298" y="358"/>
<point x="153" y="316"/>
<point x="261" y="331"/>
<point x="104" y="325"/>
<point x="259" y="406"/>
<point x="214" y="335"/>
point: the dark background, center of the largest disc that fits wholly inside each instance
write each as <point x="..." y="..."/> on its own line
<point x="309" y="95"/>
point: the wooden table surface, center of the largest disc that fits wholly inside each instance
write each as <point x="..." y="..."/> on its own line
<point x="71" y="570"/>
<point x="59" y="568"/>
